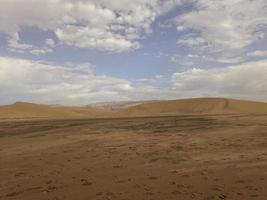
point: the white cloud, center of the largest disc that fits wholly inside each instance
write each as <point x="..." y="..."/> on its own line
<point x="40" y="82"/>
<point x="102" y="24"/>
<point x="225" y="24"/>
<point x="187" y="60"/>
<point x="230" y="60"/>
<point x="193" y="41"/>
<point x="158" y="76"/>
<point x="95" y="38"/>
<point x="14" y="45"/>
<point x="152" y="80"/>
<point x="38" y="52"/>
<point x="240" y="81"/>
<point x="180" y="28"/>
<point x="71" y="84"/>
<point x="257" y="53"/>
<point x="50" y="42"/>
<point x="48" y="83"/>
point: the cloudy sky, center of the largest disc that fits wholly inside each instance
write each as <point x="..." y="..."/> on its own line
<point x="82" y="51"/>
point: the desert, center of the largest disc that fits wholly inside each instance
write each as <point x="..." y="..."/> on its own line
<point x="133" y="99"/>
<point x="204" y="148"/>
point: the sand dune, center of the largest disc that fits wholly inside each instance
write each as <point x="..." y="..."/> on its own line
<point x="190" y="155"/>
<point x="197" y="106"/>
<point x="21" y="110"/>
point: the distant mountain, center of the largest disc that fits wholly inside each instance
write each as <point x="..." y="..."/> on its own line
<point x="118" y="105"/>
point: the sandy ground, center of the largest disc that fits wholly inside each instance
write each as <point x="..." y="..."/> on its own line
<point x="186" y="157"/>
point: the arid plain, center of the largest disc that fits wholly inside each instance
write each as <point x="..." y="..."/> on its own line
<point x="203" y="149"/>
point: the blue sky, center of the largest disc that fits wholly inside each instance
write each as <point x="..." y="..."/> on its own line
<point x="78" y="52"/>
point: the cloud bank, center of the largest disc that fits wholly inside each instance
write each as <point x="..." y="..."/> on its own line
<point x="228" y="24"/>
<point x="50" y="83"/>
<point x="105" y="25"/>
<point x="213" y="48"/>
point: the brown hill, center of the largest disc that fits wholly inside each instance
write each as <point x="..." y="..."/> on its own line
<point x="196" y="106"/>
<point x="21" y="110"/>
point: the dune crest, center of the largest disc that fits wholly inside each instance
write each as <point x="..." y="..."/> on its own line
<point x="198" y="106"/>
<point x="21" y="110"/>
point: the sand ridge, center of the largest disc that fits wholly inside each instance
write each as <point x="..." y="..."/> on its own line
<point x="23" y="110"/>
<point x="198" y="106"/>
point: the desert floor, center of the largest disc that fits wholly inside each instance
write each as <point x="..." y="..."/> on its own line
<point x="157" y="158"/>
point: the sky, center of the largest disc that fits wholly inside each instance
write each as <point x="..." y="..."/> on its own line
<point x="76" y="52"/>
